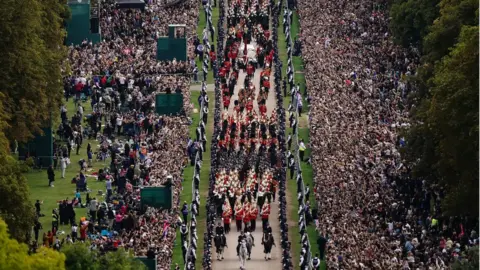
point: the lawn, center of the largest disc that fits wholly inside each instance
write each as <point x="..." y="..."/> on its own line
<point x="38" y="183"/>
<point x="202" y="23"/>
<point x="186" y="194"/>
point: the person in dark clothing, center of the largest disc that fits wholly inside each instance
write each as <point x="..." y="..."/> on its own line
<point x="37" y="208"/>
<point x="54" y="221"/>
<point x="69" y="148"/>
<point x="77" y="143"/>
<point x="185" y="212"/>
<point x="321" y="242"/>
<point x="51" y="176"/>
<point x="36" y="229"/>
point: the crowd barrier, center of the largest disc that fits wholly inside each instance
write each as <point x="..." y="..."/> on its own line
<point x="210" y="205"/>
<point x="298" y="168"/>
<point x="192" y="243"/>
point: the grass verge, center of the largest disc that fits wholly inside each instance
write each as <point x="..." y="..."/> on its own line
<point x="186" y="194"/>
<point x="202" y="23"/>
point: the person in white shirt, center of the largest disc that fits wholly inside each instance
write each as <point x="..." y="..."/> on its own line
<point x="108" y="185"/>
<point x="63" y="166"/>
<point x="74" y="232"/>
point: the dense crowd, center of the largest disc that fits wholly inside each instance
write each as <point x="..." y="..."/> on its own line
<point x="372" y="212"/>
<point x="120" y="77"/>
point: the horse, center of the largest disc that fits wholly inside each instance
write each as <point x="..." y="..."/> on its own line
<point x="267" y="242"/>
<point x="243" y="253"/>
<point x="249" y="242"/>
<point x="220" y="243"/>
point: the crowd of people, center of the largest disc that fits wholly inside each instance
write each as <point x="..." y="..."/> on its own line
<point x="120" y="77"/>
<point x="372" y="212"/>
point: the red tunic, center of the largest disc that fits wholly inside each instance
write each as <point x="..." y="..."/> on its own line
<point x="223" y="72"/>
<point x="227" y="65"/>
<point x="246" y="219"/>
<point x="226" y="101"/>
<point x="263" y="109"/>
<point x="249" y="105"/>
<point x="266" y="84"/>
<point x="250" y="70"/>
<point x="226" y="220"/>
<point x="254" y="214"/>
<point x="212" y="56"/>
<point x="239" y="215"/>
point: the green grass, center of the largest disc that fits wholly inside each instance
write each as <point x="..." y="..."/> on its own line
<point x="201" y="25"/>
<point x="186" y="194"/>
<point x="303" y="133"/>
<point x="39" y="189"/>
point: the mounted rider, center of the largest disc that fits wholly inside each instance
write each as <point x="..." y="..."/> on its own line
<point x="241" y="237"/>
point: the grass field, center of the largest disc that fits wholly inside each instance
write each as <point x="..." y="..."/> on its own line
<point x="186" y="194"/>
<point x="303" y="133"/>
<point x="39" y="189"/>
<point x="202" y="23"/>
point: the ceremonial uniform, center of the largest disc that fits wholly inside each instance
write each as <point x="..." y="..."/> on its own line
<point x="253" y="217"/>
<point x="265" y="213"/>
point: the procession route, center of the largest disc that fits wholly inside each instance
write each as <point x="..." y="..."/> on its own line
<point x="257" y="262"/>
<point x="231" y="261"/>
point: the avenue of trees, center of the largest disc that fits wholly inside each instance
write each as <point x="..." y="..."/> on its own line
<point x="31" y="90"/>
<point x="443" y="141"/>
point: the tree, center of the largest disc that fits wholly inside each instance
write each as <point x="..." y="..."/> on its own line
<point x="15" y="206"/>
<point x="120" y="260"/>
<point x="444" y="32"/>
<point x="443" y="143"/>
<point x="14" y="255"/>
<point x="30" y="77"/>
<point x="81" y="257"/>
<point x="410" y="20"/>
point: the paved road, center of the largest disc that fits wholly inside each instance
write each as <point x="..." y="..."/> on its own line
<point x="271" y="100"/>
<point x="257" y="261"/>
<point x="198" y="87"/>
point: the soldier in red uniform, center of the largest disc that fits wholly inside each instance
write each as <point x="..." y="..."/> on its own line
<point x="222" y="72"/>
<point x="263" y="109"/>
<point x="246" y="219"/>
<point x="253" y="217"/>
<point x="265" y="213"/>
<point x="249" y="105"/>
<point x="226" y="102"/>
<point x="250" y="69"/>
<point x="227" y="65"/>
<point x="238" y="218"/>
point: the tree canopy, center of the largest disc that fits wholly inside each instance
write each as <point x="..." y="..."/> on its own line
<point x="31" y="59"/>
<point x="15" y="208"/>
<point x="443" y="144"/>
<point x="14" y="255"/>
<point x="410" y="20"/>
<point x="80" y="257"/>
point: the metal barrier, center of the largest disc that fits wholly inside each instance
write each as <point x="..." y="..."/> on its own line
<point x="191" y="250"/>
<point x="298" y="168"/>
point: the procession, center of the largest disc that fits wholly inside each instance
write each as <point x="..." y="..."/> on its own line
<point x="239" y="134"/>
